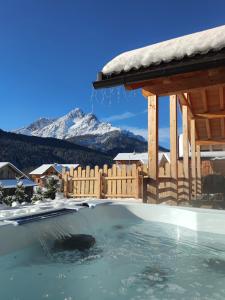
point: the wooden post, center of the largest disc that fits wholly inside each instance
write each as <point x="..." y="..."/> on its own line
<point x="193" y="161"/>
<point x="153" y="148"/>
<point x="137" y="185"/>
<point x="65" y="185"/>
<point x="186" y="152"/>
<point x="199" y="176"/>
<point x="173" y="147"/>
<point x="99" y="185"/>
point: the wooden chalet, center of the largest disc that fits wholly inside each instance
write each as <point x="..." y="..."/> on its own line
<point x="191" y="71"/>
<point x="140" y="159"/>
<point x="11" y="176"/>
<point x="40" y="174"/>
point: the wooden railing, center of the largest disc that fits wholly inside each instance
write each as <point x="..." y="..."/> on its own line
<point x="119" y="181"/>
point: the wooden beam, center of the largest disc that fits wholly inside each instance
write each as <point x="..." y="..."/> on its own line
<point x="198" y="162"/>
<point x="204" y="100"/>
<point x="205" y="108"/>
<point x="184" y="101"/>
<point x="153" y="148"/>
<point x="186" y="151"/>
<point x="210" y="142"/>
<point x="146" y="94"/>
<point x="193" y="160"/>
<point x="222" y="124"/>
<point x="222" y="120"/>
<point x="173" y="146"/>
<point x="221" y="96"/>
<point x="210" y="115"/>
<point x="182" y="83"/>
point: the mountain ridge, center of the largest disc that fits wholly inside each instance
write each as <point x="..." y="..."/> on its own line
<point x="87" y="130"/>
<point x="29" y="152"/>
<point x="74" y="123"/>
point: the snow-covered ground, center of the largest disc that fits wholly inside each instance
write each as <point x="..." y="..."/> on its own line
<point x="47" y="205"/>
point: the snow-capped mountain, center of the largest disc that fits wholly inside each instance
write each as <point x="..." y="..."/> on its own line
<point x="35" y="126"/>
<point x="86" y="130"/>
<point x="75" y="123"/>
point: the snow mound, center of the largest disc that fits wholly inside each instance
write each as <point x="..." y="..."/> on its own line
<point x="177" y="48"/>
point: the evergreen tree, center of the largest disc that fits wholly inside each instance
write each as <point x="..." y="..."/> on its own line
<point x="38" y="195"/>
<point x="20" y="195"/>
<point x="8" y="200"/>
<point x="1" y="194"/>
<point x="51" y="188"/>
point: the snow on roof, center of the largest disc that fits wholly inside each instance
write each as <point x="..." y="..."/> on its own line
<point x="5" y="163"/>
<point x="58" y="167"/>
<point x="42" y="169"/>
<point x="186" y="46"/>
<point x="213" y="154"/>
<point x="12" y="183"/>
<point x="143" y="157"/>
<point x="131" y="156"/>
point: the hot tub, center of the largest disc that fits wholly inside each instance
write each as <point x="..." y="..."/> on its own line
<point x="141" y="252"/>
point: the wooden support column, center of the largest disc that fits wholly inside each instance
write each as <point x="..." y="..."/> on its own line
<point x="173" y="147"/>
<point x="152" y="189"/>
<point x="193" y="161"/>
<point x="186" y="153"/>
<point x="199" y="176"/>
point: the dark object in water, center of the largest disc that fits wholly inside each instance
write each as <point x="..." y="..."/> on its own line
<point x="213" y="184"/>
<point x="118" y="226"/>
<point x="79" y="242"/>
<point x="216" y="264"/>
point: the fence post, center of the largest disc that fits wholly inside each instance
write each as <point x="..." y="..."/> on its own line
<point x="65" y="185"/>
<point x="137" y="186"/>
<point x="99" y="185"/>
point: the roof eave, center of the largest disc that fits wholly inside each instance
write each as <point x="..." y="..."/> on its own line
<point x="187" y="64"/>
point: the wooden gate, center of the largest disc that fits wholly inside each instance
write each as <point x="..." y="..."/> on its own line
<point x="119" y="181"/>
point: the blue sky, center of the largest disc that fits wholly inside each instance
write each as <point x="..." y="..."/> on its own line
<point x="50" y="52"/>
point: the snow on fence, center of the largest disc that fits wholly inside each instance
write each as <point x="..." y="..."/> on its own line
<point x="119" y="181"/>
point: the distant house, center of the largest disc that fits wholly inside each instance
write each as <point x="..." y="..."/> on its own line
<point x="40" y="174"/>
<point x="10" y="176"/>
<point x="211" y="161"/>
<point x="139" y="158"/>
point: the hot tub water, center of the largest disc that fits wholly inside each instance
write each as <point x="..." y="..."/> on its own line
<point x="132" y="259"/>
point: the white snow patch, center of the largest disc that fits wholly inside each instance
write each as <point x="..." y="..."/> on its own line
<point x="46" y="205"/>
<point x="177" y="48"/>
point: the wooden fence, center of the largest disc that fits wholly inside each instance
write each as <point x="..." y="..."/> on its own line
<point x="127" y="181"/>
<point x="178" y="190"/>
<point x="119" y="181"/>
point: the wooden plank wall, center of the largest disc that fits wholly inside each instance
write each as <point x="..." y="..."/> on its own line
<point x="123" y="181"/>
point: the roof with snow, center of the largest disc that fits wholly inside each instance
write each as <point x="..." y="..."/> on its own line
<point x="58" y="167"/>
<point x="6" y="163"/>
<point x="196" y="45"/>
<point x="12" y="183"/>
<point x="142" y="157"/>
